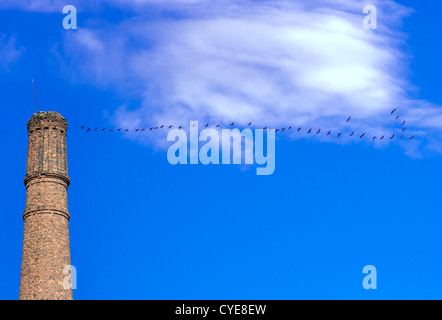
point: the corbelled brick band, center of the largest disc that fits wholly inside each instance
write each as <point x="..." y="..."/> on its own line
<point x="46" y="249"/>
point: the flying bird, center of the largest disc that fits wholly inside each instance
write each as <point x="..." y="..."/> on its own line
<point x="404" y="129"/>
<point x="374" y="138"/>
<point x="290" y="128"/>
<point x="382" y="138"/>
<point x="309" y="131"/>
<point x="362" y="136"/>
<point x="103" y="129"/>
<point x="329" y="133"/>
<point x="249" y="123"/>
<point x="170" y="126"/>
<point x="95" y="129"/>
<point x="352" y="134"/>
<point x="82" y="127"/>
<point x="299" y="129"/>
<point x="403" y="123"/>
<point x="180" y="127"/>
<point x="126" y="130"/>
<point x="397" y="117"/>
<point x="277" y="130"/>
<point x="162" y="126"/>
<point x="232" y="123"/>
<point x="318" y="131"/>
<point x="143" y="129"/>
<point x="111" y="130"/>
<point x="89" y="129"/>
<point x="282" y="129"/>
<point x="217" y="126"/>
<point x="157" y="128"/>
<point x="393" y="111"/>
<point x="412" y="137"/>
<point x="119" y="129"/>
<point x="339" y="135"/>
<point x="150" y="129"/>
<point x="206" y="125"/>
<point x="392" y="136"/>
<point x="402" y="136"/>
<point x="349" y="118"/>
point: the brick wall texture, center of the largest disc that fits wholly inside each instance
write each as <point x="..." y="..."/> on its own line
<point x="46" y="217"/>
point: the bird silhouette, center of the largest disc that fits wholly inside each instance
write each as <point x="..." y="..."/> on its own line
<point x="157" y="128"/>
<point x="374" y="138"/>
<point x="95" y="129"/>
<point x="290" y="128"/>
<point x="103" y="129"/>
<point x="150" y="129"/>
<point x="404" y="129"/>
<point x="382" y="138"/>
<point x="397" y="117"/>
<point x="137" y="130"/>
<point x="180" y="127"/>
<point x="162" y="126"/>
<point x="217" y="126"/>
<point x="119" y="129"/>
<point x="349" y="118"/>
<point x="249" y="123"/>
<point x="392" y="136"/>
<point x="362" y="136"/>
<point x="282" y="129"/>
<point x="393" y="111"/>
<point x="403" y="123"/>
<point x="352" y="134"/>
<point x="82" y="127"/>
<point x="339" y="135"/>
<point x="89" y="129"/>
<point x="170" y="126"/>
<point x="318" y="131"/>
<point x="232" y="123"/>
<point x="111" y="130"/>
<point x="299" y="129"/>
<point x="265" y="128"/>
<point x="309" y="131"/>
<point x="276" y="130"/>
<point x="412" y="137"/>
<point x="329" y="133"/>
<point x="143" y="129"/>
<point x="206" y="125"/>
<point x="402" y="136"/>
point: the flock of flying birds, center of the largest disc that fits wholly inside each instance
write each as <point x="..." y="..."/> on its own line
<point x="310" y="130"/>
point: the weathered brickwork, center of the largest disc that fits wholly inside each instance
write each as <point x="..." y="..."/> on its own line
<point x="46" y="217"/>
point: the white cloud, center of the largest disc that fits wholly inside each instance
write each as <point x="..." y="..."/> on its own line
<point x="9" y="52"/>
<point x="275" y="63"/>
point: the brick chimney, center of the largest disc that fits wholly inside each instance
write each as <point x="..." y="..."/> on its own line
<point x="46" y="254"/>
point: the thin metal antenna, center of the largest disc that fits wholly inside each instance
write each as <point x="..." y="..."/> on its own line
<point x="35" y="95"/>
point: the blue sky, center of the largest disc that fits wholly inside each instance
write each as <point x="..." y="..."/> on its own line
<point x="144" y="229"/>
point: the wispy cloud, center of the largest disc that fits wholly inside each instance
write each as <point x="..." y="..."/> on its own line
<point x="9" y="51"/>
<point x="275" y="63"/>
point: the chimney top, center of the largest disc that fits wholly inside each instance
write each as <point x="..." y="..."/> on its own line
<point x="47" y="118"/>
<point x="47" y="115"/>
